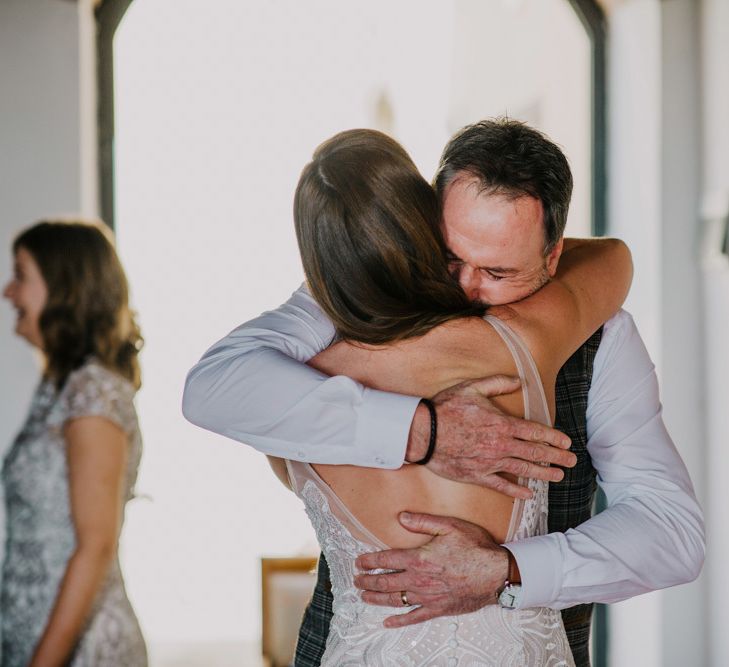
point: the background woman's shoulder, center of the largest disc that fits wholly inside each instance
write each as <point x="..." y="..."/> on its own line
<point x="93" y="390"/>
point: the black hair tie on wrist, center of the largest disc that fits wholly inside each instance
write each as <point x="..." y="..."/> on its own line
<point x="433" y="432"/>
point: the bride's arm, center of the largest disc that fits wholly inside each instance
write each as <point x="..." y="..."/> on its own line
<point x="590" y="285"/>
<point x="278" y="465"/>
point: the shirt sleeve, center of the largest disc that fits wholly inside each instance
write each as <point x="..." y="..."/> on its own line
<point x="254" y="386"/>
<point x="651" y="535"/>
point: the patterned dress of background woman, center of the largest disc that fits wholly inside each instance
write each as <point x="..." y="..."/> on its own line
<point x="40" y="532"/>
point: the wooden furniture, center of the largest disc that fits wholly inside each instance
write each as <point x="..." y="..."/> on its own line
<point x="286" y="587"/>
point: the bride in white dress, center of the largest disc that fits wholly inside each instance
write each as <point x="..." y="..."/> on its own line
<point x="374" y="257"/>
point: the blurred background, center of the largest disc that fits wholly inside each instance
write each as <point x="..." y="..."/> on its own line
<point x="185" y="124"/>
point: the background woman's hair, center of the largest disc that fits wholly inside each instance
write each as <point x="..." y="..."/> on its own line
<point x="368" y="229"/>
<point x="87" y="312"/>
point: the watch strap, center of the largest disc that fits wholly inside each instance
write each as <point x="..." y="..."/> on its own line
<point x="513" y="575"/>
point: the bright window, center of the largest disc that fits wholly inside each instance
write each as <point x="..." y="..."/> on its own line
<point x="218" y="107"/>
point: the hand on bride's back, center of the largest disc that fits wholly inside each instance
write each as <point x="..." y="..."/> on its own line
<point x="457" y="572"/>
<point x="476" y="441"/>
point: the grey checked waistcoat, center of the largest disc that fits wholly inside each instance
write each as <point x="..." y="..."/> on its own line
<point x="570" y="504"/>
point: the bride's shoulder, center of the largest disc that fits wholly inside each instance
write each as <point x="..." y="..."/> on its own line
<point x="461" y="327"/>
<point x="468" y="338"/>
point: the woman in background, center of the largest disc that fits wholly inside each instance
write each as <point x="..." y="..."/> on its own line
<point x="73" y="466"/>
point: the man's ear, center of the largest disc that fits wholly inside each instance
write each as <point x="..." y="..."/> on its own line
<point x="553" y="257"/>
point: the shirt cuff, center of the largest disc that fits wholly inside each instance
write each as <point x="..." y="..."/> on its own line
<point x="383" y="427"/>
<point x="540" y="565"/>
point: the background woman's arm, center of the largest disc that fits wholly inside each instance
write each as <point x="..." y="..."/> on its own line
<point x="97" y="452"/>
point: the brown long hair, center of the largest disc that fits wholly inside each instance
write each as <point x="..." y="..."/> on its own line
<point x="87" y="312"/>
<point x="368" y="229"/>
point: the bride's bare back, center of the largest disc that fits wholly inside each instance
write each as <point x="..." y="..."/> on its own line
<point x="457" y="351"/>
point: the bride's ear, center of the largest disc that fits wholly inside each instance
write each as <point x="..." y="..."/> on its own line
<point x="553" y="257"/>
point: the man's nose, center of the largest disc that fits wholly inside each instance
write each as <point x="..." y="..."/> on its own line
<point x="470" y="281"/>
<point x="8" y="290"/>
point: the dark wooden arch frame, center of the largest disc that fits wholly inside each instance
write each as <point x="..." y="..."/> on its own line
<point x="109" y="14"/>
<point x="593" y="20"/>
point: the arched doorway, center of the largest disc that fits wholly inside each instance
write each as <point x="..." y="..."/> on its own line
<point x="217" y="107"/>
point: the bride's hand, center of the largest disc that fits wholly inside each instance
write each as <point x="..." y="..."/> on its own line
<point x="476" y="441"/>
<point x="459" y="571"/>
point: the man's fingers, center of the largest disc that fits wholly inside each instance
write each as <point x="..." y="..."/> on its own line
<point x="394" y="582"/>
<point x="521" y="468"/>
<point x="536" y="432"/>
<point x="538" y="452"/>
<point x="395" y="599"/>
<point x="411" y="618"/>
<point x="428" y="524"/>
<point x="414" y="599"/>
<point x="384" y="599"/>
<point x="392" y="559"/>
<point x="498" y="483"/>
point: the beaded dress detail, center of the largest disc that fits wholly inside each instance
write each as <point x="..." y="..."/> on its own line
<point x="491" y="636"/>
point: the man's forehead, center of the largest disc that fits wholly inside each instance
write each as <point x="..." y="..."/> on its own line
<point x="494" y="229"/>
<point x="497" y="251"/>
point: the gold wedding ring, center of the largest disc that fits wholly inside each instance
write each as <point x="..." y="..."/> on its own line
<point x="404" y="598"/>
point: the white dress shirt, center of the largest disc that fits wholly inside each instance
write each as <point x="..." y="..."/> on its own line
<point x="253" y="387"/>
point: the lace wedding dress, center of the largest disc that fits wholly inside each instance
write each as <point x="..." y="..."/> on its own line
<point x="490" y="636"/>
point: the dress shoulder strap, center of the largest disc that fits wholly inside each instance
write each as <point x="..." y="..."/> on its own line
<point x="535" y="401"/>
<point x="528" y="517"/>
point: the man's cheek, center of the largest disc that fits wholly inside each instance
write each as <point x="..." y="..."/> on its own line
<point x="502" y="293"/>
<point x="495" y="296"/>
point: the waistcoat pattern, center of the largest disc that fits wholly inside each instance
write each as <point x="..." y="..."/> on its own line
<point x="570" y="504"/>
<point x="571" y="500"/>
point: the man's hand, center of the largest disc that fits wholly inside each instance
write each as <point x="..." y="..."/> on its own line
<point x="459" y="571"/>
<point x="476" y="441"/>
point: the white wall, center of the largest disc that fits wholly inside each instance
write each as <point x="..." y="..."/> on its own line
<point x="715" y="209"/>
<point x="682" y="316"/>
<point x="506" y="63"/>
<point x="634" y="95"/>
<point x="654" y="98"/>
<point x="45" y="166"/>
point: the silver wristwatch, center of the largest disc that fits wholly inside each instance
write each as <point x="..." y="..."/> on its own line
<point x="510" y="595"/>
